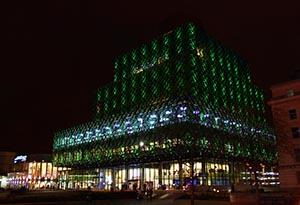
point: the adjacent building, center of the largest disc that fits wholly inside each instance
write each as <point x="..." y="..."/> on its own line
<point x="33" y="171"/>
<point x="6" y="165"/>
<point x="180" y="107"/>
<point x="285" y="104"/>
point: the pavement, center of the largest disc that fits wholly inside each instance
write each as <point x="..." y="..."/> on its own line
<point x="101" y="198"/>
<point x="129" y="202"/>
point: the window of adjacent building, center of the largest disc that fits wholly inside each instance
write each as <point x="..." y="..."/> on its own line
<point x="297" y="154"/>
<point x="298" y="176"/>
<point x="293" y="114"/>
<point x="290" y="93"/>
<point x="295" y="132"/>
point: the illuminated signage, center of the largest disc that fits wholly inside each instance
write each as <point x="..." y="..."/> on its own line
<point x="20" y="158"/>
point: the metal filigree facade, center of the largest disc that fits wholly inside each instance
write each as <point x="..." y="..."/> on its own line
<point x="182" y="95"/>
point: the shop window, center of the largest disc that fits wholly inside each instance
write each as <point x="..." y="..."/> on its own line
<point x="293" y="114"/>
<point x="295" y="132"/>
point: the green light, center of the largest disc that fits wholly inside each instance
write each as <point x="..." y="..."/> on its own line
<point x="185" y="80"/>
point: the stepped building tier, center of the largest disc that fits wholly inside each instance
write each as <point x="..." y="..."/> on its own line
<point x="182" y="98"/>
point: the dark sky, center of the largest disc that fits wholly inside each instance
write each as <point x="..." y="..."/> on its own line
<point x="56" y="53"/>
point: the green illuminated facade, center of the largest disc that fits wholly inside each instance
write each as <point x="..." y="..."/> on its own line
<point x="181" y="97"/>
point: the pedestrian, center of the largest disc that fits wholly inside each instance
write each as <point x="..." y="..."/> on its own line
<point x="144" y="190"/>
<point x="150" y="191"/>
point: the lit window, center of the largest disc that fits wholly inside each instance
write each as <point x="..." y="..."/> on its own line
<point x="160" y="60"/>
<point x="199" y="52"/>
<point x="293" y="114"/>
<point x="137" y="70"/>
<point x="290" y="93"/>
<point x="295" y="132"/>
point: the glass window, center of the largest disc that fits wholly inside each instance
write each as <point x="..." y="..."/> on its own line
<point x="297" y="154"/>
<point x="43" y="169"/>
<point x="298" y="177"/>
<point x="290" y="93"/>
<point x="295" y="132"/>
<point x="293" y="114"/>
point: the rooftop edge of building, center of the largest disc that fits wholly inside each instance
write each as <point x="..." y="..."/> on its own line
<point x="285" y="83"/>
<point x="294" y="77"/>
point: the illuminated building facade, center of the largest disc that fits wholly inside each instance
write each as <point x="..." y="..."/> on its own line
<point x="285" y="104"/>
<point x="32" y="172"/>
<point x="6" y="166"/>
<point x="182" y="100"/>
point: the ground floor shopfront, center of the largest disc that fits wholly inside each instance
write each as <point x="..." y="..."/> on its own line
<point x="33" y="175"/>
<point x="163" y="175"/>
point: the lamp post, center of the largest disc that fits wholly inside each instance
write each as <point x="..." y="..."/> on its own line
<point x="142" y="145"/>
<point x="192" y="185"/>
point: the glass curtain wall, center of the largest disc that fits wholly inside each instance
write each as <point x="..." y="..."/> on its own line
<point x="132" y="177"/>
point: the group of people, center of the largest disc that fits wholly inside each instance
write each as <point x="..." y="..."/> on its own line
<point x="146" y="191"/>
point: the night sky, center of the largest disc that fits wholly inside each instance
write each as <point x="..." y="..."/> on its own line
<point x="56" y="53"/>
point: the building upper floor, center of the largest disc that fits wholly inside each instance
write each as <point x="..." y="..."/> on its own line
<point x="183" y="62"/>
<point x="285" y="105"/>
<point x="286" y="92"/>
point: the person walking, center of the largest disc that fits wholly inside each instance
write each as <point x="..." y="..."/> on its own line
<point x="150" y="190"/>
